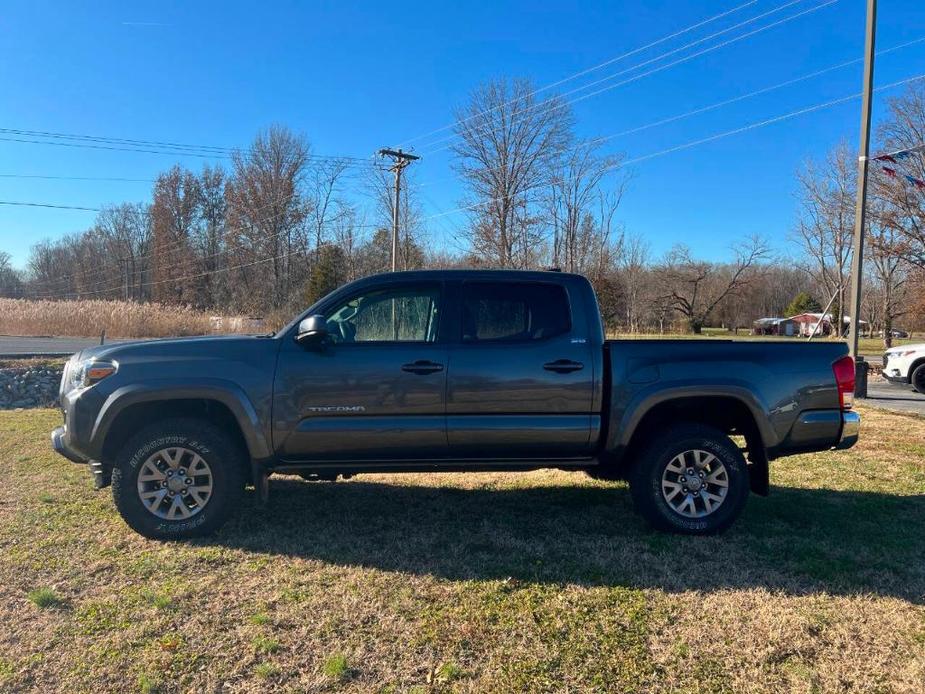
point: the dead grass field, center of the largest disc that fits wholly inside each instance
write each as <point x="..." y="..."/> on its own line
<point x="544" y="581"/>
<point x="88" y="318"/>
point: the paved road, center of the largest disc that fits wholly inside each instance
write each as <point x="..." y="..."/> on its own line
<point x="12" y="346"/>
<point x="898" y="398"/>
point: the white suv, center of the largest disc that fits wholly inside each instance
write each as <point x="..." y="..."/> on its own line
<point x="906" y="364"/>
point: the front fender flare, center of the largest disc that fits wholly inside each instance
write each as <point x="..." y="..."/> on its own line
<point x="225" y="392"/>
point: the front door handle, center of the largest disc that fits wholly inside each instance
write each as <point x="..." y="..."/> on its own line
<point x="422" y="367"/>
<point x="563" y="366"/>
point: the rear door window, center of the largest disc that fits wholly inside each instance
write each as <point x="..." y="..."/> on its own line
<point x="512" y="312"/>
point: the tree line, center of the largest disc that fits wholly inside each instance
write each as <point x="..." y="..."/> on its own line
<point x="280" y="226"/>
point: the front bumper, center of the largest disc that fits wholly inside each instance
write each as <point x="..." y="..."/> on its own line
<point x="59" y="443"/>
<point x="850" y="430"/>
<point x="102" y="476"/>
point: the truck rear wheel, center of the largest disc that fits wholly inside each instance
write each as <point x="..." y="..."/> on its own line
<point x="178" y="478"/>
<point x="692" y="480"/>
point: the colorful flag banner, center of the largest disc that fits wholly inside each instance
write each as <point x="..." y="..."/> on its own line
<point x="897" y="158"/>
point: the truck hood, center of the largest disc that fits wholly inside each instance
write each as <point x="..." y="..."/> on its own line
<point x="176" y="347"/>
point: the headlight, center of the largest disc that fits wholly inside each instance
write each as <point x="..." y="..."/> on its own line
<point x="89" y="372"/>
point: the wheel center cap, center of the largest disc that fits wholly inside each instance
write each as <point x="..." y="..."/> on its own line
<point x="694" y="483"/>
<point x="175" y="484"/>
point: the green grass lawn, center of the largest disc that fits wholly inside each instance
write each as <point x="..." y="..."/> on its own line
<point x="543" y="581"/>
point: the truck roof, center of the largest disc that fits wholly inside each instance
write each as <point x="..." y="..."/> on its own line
<point x="482" y="273"/>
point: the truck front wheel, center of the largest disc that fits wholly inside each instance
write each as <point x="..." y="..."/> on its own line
<point x="692" y="480"/>
<point x="178" y="478"/>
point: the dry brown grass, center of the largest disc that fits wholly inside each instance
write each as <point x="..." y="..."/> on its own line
<point x="544" y="581"/>
<point x="89" y="318"/>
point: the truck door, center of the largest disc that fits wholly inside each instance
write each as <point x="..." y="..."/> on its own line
<point x="522" y="374"/>
<point x="377" y="391"/>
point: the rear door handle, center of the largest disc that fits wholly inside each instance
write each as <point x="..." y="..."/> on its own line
<point x="563" y="366"/>
<point x="422" y="367"/>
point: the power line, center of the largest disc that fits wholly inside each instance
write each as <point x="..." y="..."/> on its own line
<point x="727" y="102"/>
<point x="649" y="61"/>
<point x="710" y="49"/>
<point x="115" y="145"/>
<point x="694" y="143"/>
<point x="45" y="204"/>
<point x="80" y="178"/>
<point x="585" y="71"/>
<point x="769" y="121"/>
<point x="113" y="140"/>
<point x="158" y="143"/>
<point x="749" y="95"/>
<point x="88" y="145"/>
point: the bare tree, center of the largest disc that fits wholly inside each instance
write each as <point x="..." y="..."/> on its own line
<point x="900" y="203"/>
<point x="125" y="233"/>
<point x="575" y="189"/>
<point x="208" y="237"/>
<point x="11" y="284"/>
<point x="825" y="227"/>
<point x="266" y="215"/>
<point x="381" y="187"/>
<point x="326" y="206"/>
<point x="694" y="288"/>
<point x="889" y="274"/>
<point x="634" y="264"/>
<point x="347" y="237"/>
<point x="509" y="146"/>
<point x="174" y="213"/>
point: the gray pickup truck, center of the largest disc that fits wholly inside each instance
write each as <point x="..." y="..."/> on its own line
<point x="448" y="370"/>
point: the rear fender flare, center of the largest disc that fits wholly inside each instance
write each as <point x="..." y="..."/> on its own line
<point x="644" y="401"/>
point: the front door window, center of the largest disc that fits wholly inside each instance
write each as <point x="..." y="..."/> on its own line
<point x="402" y="314"/>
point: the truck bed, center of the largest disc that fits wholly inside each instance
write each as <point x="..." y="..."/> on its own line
<point x="788" y="387"/>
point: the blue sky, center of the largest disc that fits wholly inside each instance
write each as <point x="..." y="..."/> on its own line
<point x="356" y="76"/>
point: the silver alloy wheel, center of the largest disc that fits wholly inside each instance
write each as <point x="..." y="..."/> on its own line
<point x="175" y="483"/>
<point x="695" y="483"/>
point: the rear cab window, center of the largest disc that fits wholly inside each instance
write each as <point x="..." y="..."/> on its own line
<point x="514" y="311"/>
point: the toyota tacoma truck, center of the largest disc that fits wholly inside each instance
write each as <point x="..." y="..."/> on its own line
<point x="449" y="370"/>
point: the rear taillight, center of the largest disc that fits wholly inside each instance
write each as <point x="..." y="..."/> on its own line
<point x="844" y="379"/>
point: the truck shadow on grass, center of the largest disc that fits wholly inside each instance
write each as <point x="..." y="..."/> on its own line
<point x="797" y="540"/>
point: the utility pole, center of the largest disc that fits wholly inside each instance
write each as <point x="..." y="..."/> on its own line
<point x="400" y="161"/>
<point x="857" y="263"/>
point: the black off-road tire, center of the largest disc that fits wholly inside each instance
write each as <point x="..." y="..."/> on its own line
<point x="646" y="479"/>
<point x="917" y="378"/>
<point x="226" y="460"/>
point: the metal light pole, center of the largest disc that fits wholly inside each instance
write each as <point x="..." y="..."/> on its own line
<point x="857" y="263"/>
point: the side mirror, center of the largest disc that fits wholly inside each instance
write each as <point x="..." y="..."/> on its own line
<point x="312" y="330"/>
